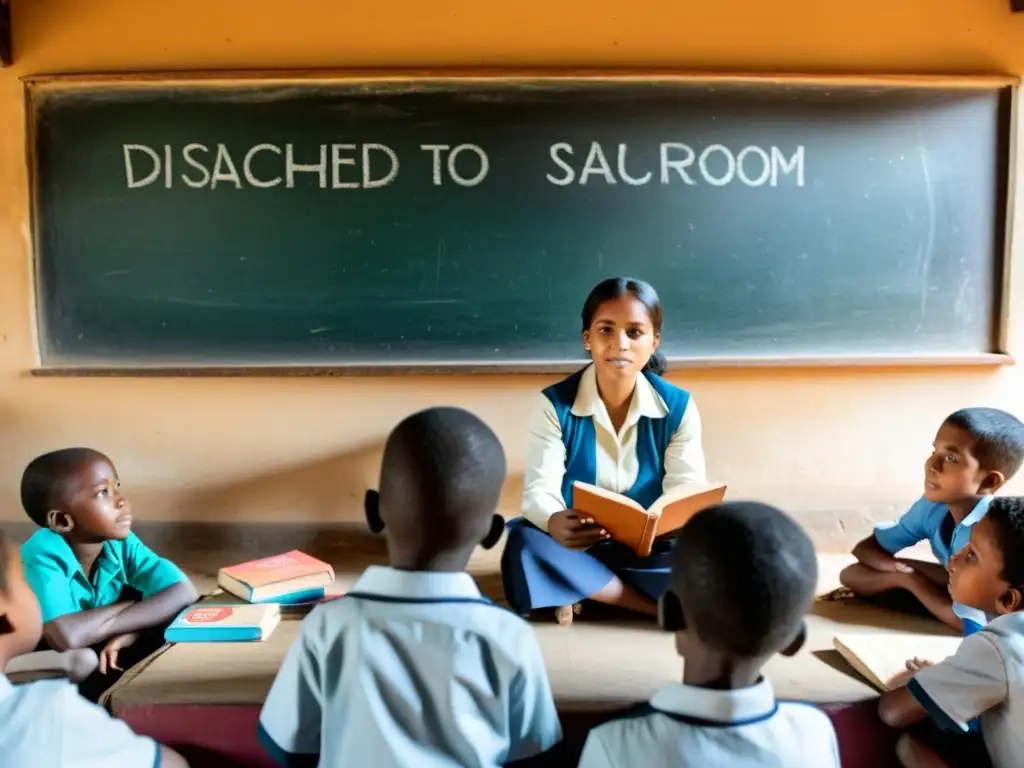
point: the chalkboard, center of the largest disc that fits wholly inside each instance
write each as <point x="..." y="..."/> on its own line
<point x="446" y="222"/>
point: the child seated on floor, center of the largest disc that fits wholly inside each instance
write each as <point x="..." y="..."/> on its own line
<point x="47" y="723"/>
<point x="742" y="580"/>
<point x="413" y="666"/>
<point x="975" y="452"/>
<point x="98" y="585"/>
<point x="986" y="675"/>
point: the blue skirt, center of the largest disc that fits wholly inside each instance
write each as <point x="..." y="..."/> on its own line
<point x="538" y="572"/>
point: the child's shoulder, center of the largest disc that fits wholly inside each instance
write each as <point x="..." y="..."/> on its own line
<point x="52" y="697"/>
<point x="44" y="544"/>
<point x="1006" y="633"/>
<point x="492" y="622"/>
<point x="806" y="714"/>
<point x="51" y="712"/>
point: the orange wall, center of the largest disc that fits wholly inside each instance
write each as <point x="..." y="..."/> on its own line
<point x="836" y="446"/>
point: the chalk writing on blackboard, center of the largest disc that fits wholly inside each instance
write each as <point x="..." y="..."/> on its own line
<point x="373" y="165"/>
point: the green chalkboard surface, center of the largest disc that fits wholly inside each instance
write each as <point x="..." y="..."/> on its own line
<point x="463" y="222"/>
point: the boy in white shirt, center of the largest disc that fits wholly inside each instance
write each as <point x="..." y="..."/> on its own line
<point x="46" y="724"/>
<point x="985" y="677"/>
<point x="742" y="580"/>
<point x="413" y="667"/>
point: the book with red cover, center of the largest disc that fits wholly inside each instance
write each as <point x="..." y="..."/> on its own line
<point x="636" y="527"/>
<point x="289" y="577"/>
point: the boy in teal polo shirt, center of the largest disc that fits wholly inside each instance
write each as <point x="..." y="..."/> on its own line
<point x="97" y="584"/>
<point x="46" y="723"/>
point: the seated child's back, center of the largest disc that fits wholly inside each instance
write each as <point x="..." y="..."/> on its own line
<point x="742" y="581"/>
<point x="413" y="667"/>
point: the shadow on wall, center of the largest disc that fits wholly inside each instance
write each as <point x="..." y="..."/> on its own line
<point x="329" y="491"/>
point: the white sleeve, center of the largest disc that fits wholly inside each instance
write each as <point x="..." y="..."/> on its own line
<point x="90" y="738"/>
<point x="533" y="723"/>
<point x="545" y="465"/>
<point x="595" y="755"/>
<point x="960" y="688"/>
<point x="291" y="716"/>
<point x="684" y="457"/>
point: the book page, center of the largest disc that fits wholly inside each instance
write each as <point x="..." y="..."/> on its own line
<point x="675" y="508"/>
<point x="882" y="657"/>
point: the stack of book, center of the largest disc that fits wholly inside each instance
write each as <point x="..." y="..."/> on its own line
<point x="292" y="582"/>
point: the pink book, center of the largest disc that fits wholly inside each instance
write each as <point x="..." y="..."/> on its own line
<point x="291" y="576"/>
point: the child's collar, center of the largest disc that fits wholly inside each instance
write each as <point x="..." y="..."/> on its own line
<point x="716" y="707"/>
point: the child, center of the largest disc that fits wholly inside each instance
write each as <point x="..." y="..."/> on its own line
<point x="413" y="667"/>
<point x="742" y="579"/>
<point x="986" y="675"/>
<point x="975" y="452"/>
<point x="98" y="585"/>
<point x="47" y="722"/>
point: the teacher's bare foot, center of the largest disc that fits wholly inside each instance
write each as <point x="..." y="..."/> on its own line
<point x="564" y="613"/>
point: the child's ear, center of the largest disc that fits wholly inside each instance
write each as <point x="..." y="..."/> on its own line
<point x="59" y="522"/>
<point x="992" y="482"/>
<point x="494" y="535"/>
<point x="371" y="508"/>
<point x="670" y="612"/>
<point x="1011" y="601"/>
<point x="798" y="642"/>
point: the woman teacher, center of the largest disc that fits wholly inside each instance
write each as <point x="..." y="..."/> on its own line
<point x="618" y="425"/>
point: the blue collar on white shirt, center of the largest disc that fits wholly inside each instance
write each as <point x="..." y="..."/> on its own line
<point x="387" y="584"/>
<point x="716" y="708"/>
<point x="6" y="689"/>
<point x="645" y="402"/>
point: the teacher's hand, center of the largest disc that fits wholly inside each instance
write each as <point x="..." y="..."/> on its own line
<point x="575" y="531"/>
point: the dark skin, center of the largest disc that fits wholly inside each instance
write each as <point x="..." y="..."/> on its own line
<point x="92" y="510"/>
<point x="709" y="667"/>
<point x="953" y="476"/>
<point x="21" y="628"/>
<point x="620" y="340"/>
<point x="975" y="579"/>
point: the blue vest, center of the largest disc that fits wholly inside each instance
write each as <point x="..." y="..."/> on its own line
<point x="653" y="438"/>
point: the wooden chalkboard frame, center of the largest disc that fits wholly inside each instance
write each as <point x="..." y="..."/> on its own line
<point x="38" y="85"/>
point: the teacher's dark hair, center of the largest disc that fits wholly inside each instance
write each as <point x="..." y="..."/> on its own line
<point x="617" y="287"/>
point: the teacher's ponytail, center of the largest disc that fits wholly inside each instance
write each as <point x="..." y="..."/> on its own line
<point x="657" y="364"/>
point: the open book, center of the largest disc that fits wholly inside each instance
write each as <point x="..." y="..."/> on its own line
<point x="636" y="527"/>
<point x="882" y="657"/>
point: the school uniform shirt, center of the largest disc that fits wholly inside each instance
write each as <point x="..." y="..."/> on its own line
<point x="617" y="466"/>
<point x="48" y="725"/>
<point x="930" y="521"/>
<point x="984" y="677"/>
<point x="686" y="726"/>
<point x="410" y="669"/>
<point x="61" y="586"/>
